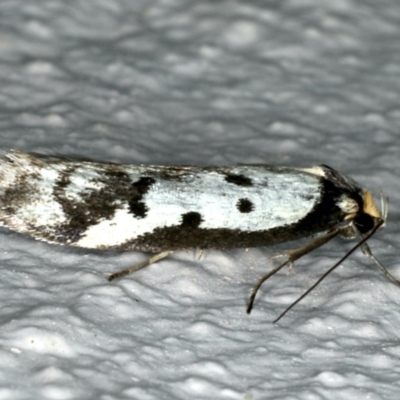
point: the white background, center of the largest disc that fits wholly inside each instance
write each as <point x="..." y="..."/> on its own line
<point x="295" y="83"/>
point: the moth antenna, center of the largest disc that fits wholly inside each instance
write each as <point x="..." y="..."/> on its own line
<point x="351" y="251"/>
<point x="385" y="207"/>
<point x="366" y="249"/>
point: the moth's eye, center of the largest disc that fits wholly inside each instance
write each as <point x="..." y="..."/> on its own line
<point x="364" y="223"/>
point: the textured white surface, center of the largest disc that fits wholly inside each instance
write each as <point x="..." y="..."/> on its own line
<point x="295" y="83"/>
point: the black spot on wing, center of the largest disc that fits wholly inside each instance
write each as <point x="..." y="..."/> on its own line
<point x="245" y="206"/>
<point x="191" y="219"/>
<point x="143" y="184"/>
<point x="238" y="179"/>
<point x="136" y="206"/>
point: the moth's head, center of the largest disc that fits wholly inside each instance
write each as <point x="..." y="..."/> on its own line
<point x="363" y="215"/>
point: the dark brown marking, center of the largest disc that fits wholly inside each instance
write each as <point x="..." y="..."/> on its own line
<point x="18" y="195"/>
<point x="245" y="206"/>
<point x="96" y="204"/>
<point x="184" y="238"/>
<point x="239" y="180"/>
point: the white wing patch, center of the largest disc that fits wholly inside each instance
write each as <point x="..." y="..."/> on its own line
<point x="39" y="195"/>
<point x="281" y="200"/>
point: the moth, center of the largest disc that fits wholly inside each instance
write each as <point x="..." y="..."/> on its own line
<point x="163" y="209"/>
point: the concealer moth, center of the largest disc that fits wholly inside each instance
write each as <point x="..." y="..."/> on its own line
<point x="163" y="209"/>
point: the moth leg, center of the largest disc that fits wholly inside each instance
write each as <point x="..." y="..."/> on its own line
<point x="282" y="255"/>
<point x="201" y="251"/>
<point x="367" y="251"/>
<point x="292" y="256"/>
<point x="260" y="282"/>
<point x="136" y="267"/>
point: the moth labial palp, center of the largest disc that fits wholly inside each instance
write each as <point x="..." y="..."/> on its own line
<point x="163" y="209"/>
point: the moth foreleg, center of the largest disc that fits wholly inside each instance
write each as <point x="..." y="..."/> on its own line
<point x="291" y="257"/>
<point x="136" y="267"/>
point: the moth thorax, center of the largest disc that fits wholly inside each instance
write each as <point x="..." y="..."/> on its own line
<point x="369" y="217"/>
<point x="364" y="219"/>
<point x="370" y="207"/>
<point x="349" y="206"/>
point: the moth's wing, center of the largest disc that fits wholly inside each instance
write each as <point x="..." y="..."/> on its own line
<point x="153" y="208"/>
